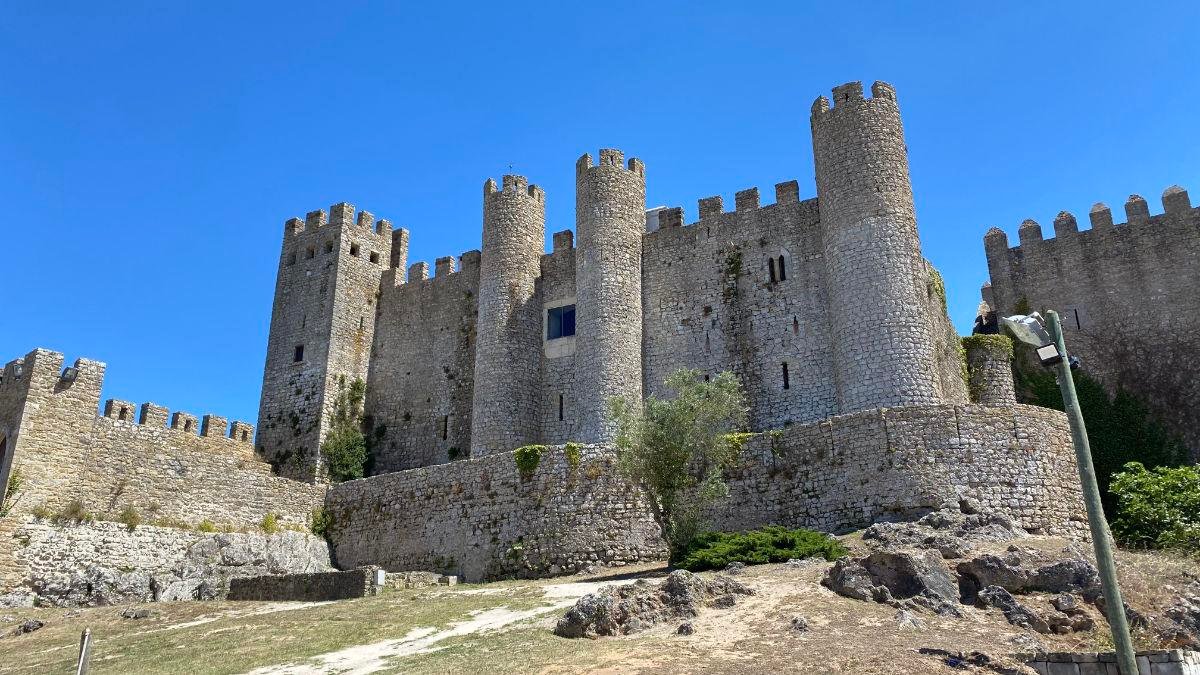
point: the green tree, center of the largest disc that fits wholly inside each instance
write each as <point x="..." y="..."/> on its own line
<point x="1120" y="428"/>
<point x="1158" y="508"/>
<point x="676" y="450"/>
<point x="345" y="447"/>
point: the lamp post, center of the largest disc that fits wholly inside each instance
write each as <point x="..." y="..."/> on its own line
<point x="1052" y="351"/>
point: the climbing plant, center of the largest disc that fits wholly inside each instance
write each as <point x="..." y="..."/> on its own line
<point x="345" y="447"/>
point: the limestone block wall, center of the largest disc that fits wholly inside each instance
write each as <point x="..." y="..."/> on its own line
<point x="310" y="587"/>
<point x="558" y="405"/>
<point x="481" y="519"/>
<point x="421" y="381"/>
<point x="107" y="563"/>
<point x="190" y="471"/>
<point x="1126" y="293"/>
<point x="852" y="470"/>
<point x="716" y="297"/>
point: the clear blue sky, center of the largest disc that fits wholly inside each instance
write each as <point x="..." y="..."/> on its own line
<point x="150" y="152"/>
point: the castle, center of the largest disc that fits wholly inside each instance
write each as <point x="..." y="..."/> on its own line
<point x="1127" y="295"/>
<point x="823" y="307"/>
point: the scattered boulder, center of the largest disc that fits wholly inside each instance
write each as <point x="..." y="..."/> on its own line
<point x="621" y="610"/>
<point x="735" y="567"/>
<point x="906" y="619"/>
<point x="950" y="531"/>
<point x="28" y="626"/>
<point x="139" y="613"/>
<point x="685" y="628"/>
<point x="799" y="624"/>
<point x="1016" y="613"/>
<point x="1022" y="572"/>
<point x="899" y="578"/>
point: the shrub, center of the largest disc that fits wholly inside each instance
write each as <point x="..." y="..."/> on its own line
<point x="73" y="512"/>
<point x="345" y="447"/>
<point x="677" y="450"/>
<point x="321" y="523"/>
<point x="527" y="458"/>
<point x="130" y="518"/>
<point x="270" y="523"/>
<point x="573" y="453"/>
<point x="715" y="550"/>
<point x="12" y="494"/>
<point x="206" y="525"/>
<point x="1158" y="508"/>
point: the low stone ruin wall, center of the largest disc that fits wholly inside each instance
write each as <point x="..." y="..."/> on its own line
<point x="481" y="519"/>
<point x="103" y="563"/>
<point x="1157" y="662"/>
<point x="850" y="471"/>
<point x="313" y="587"/>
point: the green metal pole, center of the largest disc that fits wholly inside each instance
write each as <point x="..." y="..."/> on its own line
<point x="1101" y="541"/>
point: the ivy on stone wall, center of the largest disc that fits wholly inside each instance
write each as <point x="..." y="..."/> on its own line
<point x="345" y="447"/>
<point x="1120" y="427"/>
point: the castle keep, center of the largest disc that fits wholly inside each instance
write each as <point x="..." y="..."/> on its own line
<point x="823" y="307"/>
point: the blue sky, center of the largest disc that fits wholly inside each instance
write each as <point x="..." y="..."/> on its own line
<point x="151" y="152"/>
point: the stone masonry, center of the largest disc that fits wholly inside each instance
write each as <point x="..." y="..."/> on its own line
<point x="1126" y="293"/>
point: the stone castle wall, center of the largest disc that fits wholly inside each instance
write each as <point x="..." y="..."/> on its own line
<point x="1126" y="293"/>
<point x="852" y="470"/>
<point x="481" y="519"/>
<point x="421" y="379"/>
<point x="189" y="471"/>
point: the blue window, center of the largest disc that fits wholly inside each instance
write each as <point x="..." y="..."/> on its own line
<point x="560" y="322"/>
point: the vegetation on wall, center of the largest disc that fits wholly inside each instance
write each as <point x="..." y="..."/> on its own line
<point x="1157" y="508"/>
<point x="12" y="493"/>
<point x="676" y="450"/>
<point x="527" y="458"/>
<point x="345" y="447"/>
<point x="1120" y="428"/>
<point x="771" y="544"/>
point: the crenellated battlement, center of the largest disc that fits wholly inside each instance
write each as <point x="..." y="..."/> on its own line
<point x="153" y="416"/>
<point x="1138" y="220"/>
<point x="745" y="202"/>
<point x="850" y="96"/>
<point x="610" y="158"/>
<point x="340" y="215"/>
<point x="513" y="185"/>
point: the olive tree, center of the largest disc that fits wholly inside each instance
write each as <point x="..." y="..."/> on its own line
<point x="676" y="450"/>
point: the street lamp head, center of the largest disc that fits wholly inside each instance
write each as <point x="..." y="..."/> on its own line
<point x="1028" y="329"/>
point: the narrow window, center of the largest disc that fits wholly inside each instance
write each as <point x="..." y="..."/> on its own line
<point x="187" y="426"/>
<point x="303" y="320"/>
<point x="245" y="436"/>
<point x="771" y="265"/>
<point x="706" y="377"/>
<point x="782" y="270"/>
<point x="795" y="326"/>
<point x="787" y="384"/>
<point x="375" y="257"/>
<point x="310" y="253"/>
<point x="360" y="324"/>
<point x="354" y="250"/>
<point x="298" y="356"/>
<point x="560" y="322"/>
<point x="1077" y="326"/>
<point x="560" y="407"/>
<point x="329" y="247"/>
<point x="445" y="426"/>
<point x="124" y="414"/>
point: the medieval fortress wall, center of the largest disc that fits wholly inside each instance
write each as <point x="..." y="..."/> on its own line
<point x="824" y="307"/>
<point x="1126" y="293"/>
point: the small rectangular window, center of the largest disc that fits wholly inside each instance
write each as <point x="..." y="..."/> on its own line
<point x="560" y="407"/>
<point x="787" y="384"/>
<point x="771" y="266"/>
<point x="354" y="250"/>
<point x="560" y="322"/>
<point x="298" y="355"/>
<point x="445" y="426"/>
<point x="782" y="270"/>
<point x="374" y="257"/>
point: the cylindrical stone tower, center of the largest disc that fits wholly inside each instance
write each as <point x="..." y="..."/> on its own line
<point x="508" y="345"/>
<point x="882" y="337"/>
<point x="989" y="369"/>
<point x="610" y="219"/>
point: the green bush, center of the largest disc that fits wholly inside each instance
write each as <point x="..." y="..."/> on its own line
<point x="206" y="525"/>
<point x="573" y="452"/>
<point x="130" y="518"/>
<point x="270" y="523"/>
<point x="322" y="522"/>
<point x="774" y="543"/>
<point x="345" y="447"/>
<point x="1120" y="428"/>
<point x="527" y="458"/>
<point x="1158" y="508"/>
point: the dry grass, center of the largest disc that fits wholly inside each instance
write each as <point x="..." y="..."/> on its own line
<point x="755" y="636"/>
